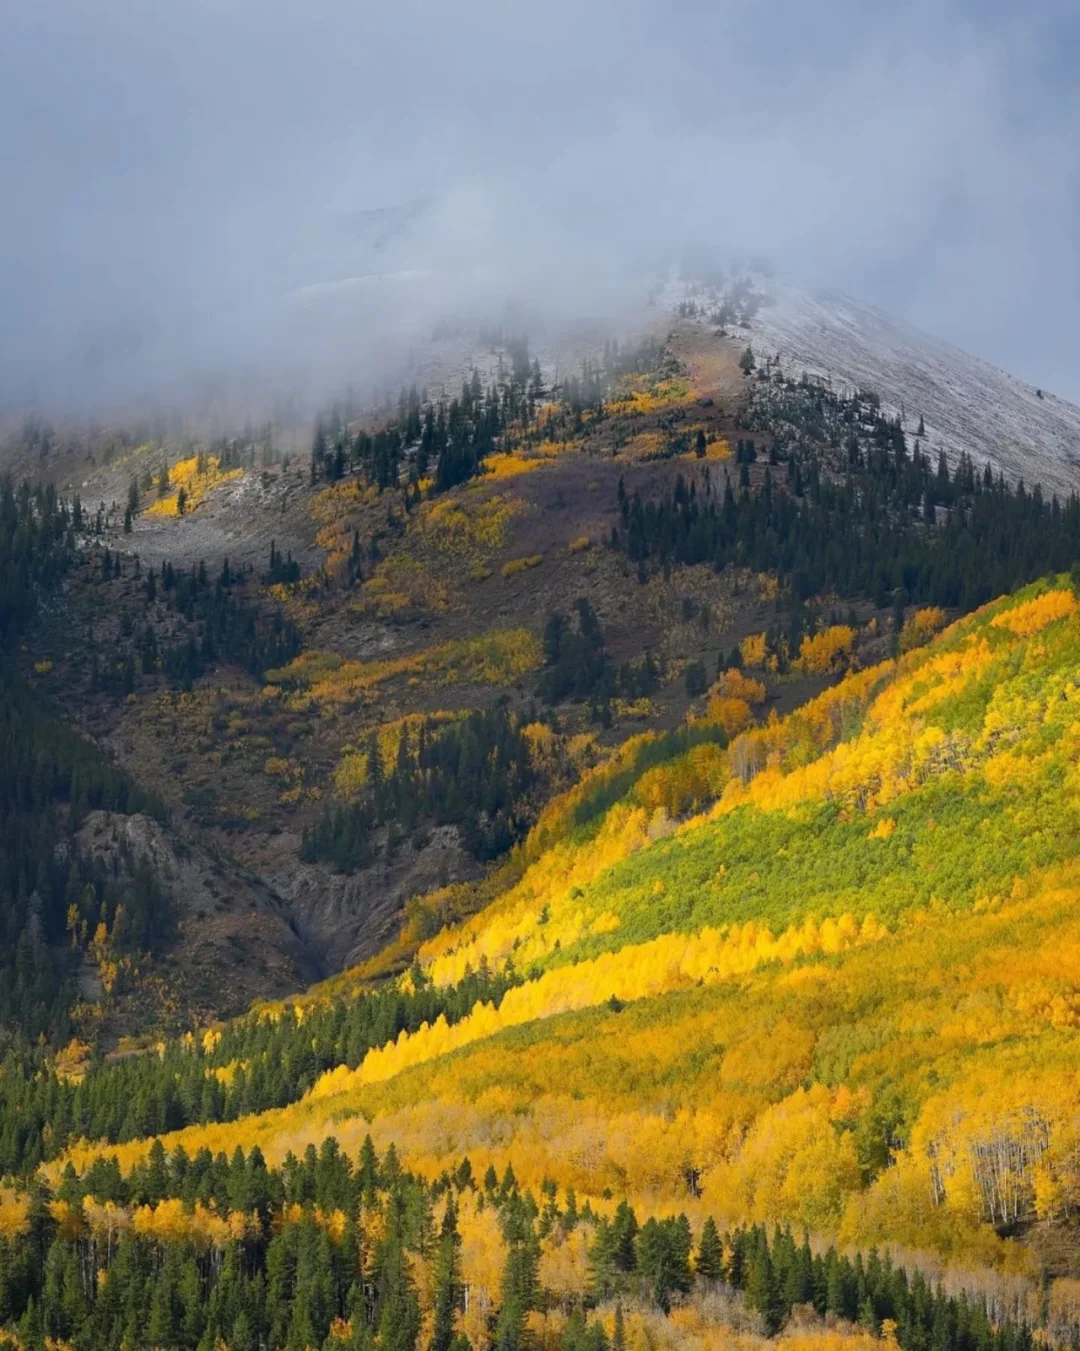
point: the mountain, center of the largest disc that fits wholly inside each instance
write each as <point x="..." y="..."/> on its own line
<point x="243" y="618"/>
<point x="966" y="404"/>
<point x="824" y="977"/>
<point x="657" y="764"/>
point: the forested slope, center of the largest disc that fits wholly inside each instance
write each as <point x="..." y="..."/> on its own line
<point x="821" y="975"/>
<point x="762" y="1020"/>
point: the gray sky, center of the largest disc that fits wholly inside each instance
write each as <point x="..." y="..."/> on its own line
<point x="173" y="171"/>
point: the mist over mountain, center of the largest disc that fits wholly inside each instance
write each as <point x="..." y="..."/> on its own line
<point x="539" y="720"/>
<point x="175" y="177"/>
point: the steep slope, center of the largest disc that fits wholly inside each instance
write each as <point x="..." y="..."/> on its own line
<point x="358" y="666"/>
<point x="392" y="607"/>
<point x="844" y="995"/>
<point x="232" y="942"/>
<point x="967" y="404"/>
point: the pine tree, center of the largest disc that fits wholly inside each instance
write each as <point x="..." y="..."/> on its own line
<point x="397" y="1310"/>
<point x="709" y="1263"/>
<point x="761" y="1293"/>
<point x="624" y="1229"/>
<point x="618" y="1332"/>
<point x="520" y="1279"/>
<point x="654" y="1263"/>
<point x="448" y="1288"/>
<point x="602" y="1268"/>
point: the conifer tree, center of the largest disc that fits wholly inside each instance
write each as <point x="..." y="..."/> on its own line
<point x="709" y="1263"/>
<point x="761" y="1293"/>
<point x="448" y="1289"/>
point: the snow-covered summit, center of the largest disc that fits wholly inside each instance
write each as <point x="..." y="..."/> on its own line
<point x="966" y="403"/>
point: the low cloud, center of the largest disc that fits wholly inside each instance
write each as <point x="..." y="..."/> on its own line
<point x="196" y="192"/>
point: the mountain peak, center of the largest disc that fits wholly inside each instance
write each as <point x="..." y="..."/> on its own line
<point x="964" y="404"/>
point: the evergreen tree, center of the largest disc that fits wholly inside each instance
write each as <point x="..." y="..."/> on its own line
<point x="709" y="1263"/>
<point x="448" y="1287"/>
<point x="761" y="1292"/>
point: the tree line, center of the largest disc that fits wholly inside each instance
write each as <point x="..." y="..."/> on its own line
<point x="445" y="439"/>
<point x="326" y="1252"/>
<point x="275" y="1061"/>
<point x="877" y="521"/>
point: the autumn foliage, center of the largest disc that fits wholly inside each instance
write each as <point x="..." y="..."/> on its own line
<point x="822" y="971"/>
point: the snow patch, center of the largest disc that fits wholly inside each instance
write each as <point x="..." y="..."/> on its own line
<point x="966" y="403"/>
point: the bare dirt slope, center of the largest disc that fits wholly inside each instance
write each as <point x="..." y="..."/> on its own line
<point x="235" y="940"/>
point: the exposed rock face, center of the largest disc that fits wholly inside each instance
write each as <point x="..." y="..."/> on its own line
<point x="235" y="937"/>
<point x="240" y="938"/>
<point x="345" y="919"/>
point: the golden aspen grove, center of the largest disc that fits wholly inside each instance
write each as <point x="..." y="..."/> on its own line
<point x="598" y="870"/>
<point x="821" y="980"/>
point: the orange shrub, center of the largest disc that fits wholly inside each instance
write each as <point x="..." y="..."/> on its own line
<point x="827" y="651"/>
<point x="738" y="686"/>
<point x="921" y="627"/>
<point x="732" y="714"/>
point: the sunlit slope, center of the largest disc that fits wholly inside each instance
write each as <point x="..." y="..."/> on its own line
<point x="846" y="993"/>
<point x="932" y="781"/>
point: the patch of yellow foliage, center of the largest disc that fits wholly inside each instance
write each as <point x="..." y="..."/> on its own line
<point x="522" y="460"/>
<point x="644" y="446"/>
<point x="197" y="476"/>
<point x="736" y="685"/>
<point x="827" y="651"/>
<point x="519" y="565"/>
<point x="1034" y="615"/>
<point x="497" y="657"/>
<point x="351" y="774"/>
<point x="402" y="585"/>
<point x="718" y="449"/>
<point x="921" y="627"/>
<point x="732" y="714"/>
<point x="640" y="394"/>
<point x="14" y="1213"/>
<point x="332" y="503"/>
<point x="637" y="971"/>
<point x="640" y="710"/>
<point x="731" y="701"/>
<point x="612" y="1100"/>
<point x="467" y="524"/>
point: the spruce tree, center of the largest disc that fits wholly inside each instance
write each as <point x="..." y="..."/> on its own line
<point x="761" y="1293"/>
<point x="448" y="1288"/>
<point x="709" y="1262"/>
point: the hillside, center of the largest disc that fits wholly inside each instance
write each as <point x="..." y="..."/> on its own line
<point x="389" y="608"/>
<point x="966" y="405"/>
<point x="658" y="768"/>
<point x="245" y="619"/>
<point x="822" y="976"/>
